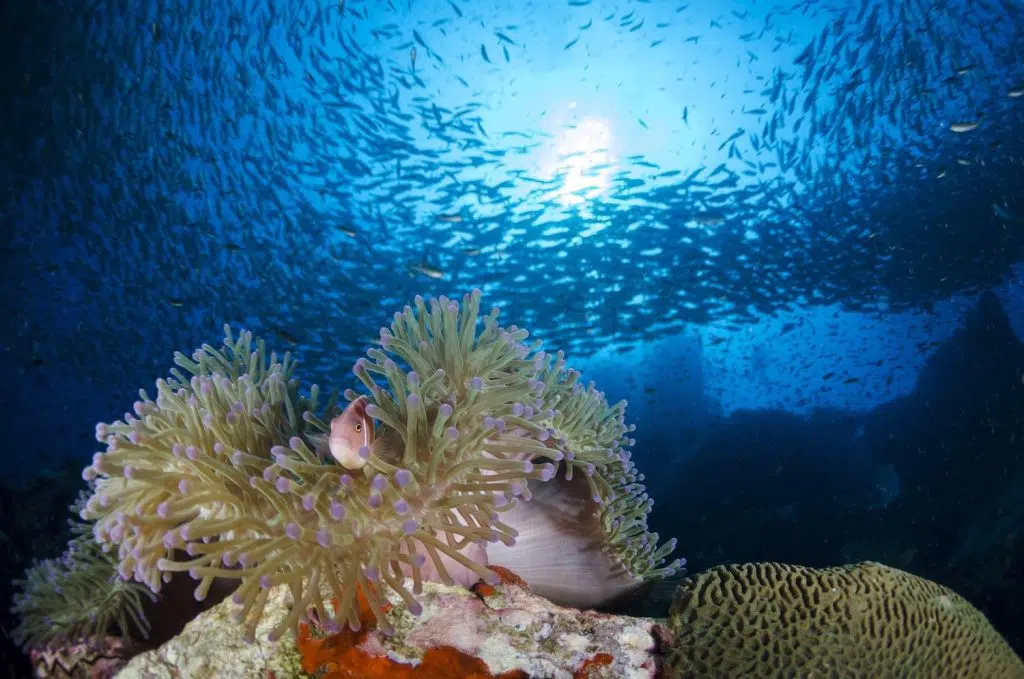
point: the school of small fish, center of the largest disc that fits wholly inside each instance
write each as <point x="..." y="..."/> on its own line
<point x="292" y="166"/>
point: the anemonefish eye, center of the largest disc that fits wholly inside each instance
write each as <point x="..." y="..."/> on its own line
<point x="359" y="426"/>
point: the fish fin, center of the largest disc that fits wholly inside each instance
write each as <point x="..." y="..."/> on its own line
<point x="390" y="447"/>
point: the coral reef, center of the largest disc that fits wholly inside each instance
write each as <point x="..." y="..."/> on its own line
<point x="214" y="645"/>
<point x="749" y="620"/>
<point x="864" y="620"/>
<point x="225" y="476"/>
<point x="493" y="632"/>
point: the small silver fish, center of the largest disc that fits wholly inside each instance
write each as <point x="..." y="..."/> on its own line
<point x="1003" y="213"/>
<point x="965" y="127"/>
<point x="709" y="219"/>
<point x="427" y="270"/>
<point x="286" y="336"/>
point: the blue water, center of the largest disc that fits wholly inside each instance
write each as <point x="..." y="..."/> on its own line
<point x="718" y="210"/>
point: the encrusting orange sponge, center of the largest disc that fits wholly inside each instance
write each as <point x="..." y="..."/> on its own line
<point x="338" y="656"/>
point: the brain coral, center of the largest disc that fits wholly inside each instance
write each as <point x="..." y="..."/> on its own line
<point x="864" y="620"/>
<point x="226" y="475"/>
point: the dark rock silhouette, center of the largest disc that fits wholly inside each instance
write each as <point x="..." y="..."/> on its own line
<point x="932" y="483"/>
<point x="957" y="443"/>
<point x="765" y="485"/>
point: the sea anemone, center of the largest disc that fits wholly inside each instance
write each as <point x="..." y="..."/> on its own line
<point x="228" y="472"/>
<point x="77" y="597"/>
